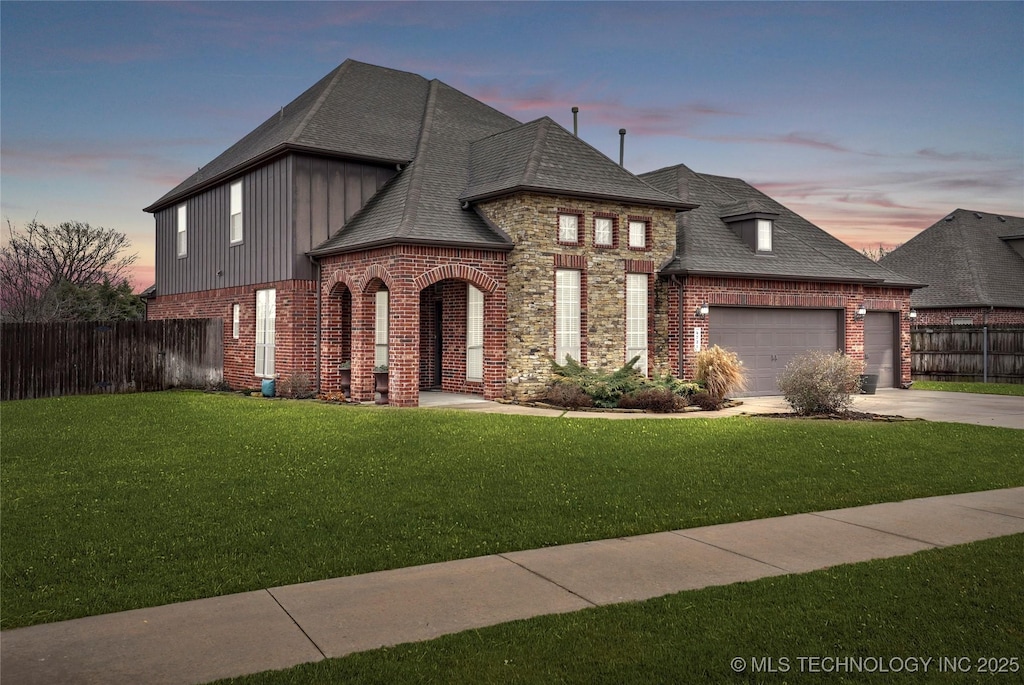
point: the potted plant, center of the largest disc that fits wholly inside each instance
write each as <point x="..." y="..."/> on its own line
<point x="345" y="372"/>
<point x="380" y="379"/>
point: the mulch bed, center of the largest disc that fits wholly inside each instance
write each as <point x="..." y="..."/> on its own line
<point x="842" y="416"/>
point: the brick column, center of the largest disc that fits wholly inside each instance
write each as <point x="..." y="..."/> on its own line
<point x="363" y="330"/>
<point x="404" y="347"/>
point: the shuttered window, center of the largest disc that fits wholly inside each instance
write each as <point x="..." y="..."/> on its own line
<point x="636" y="319"/>
<point x="380" y="349"/>
<point x="182" y="240"/>
<point x="474" y="334"/>
<point x="266" y="322"/>
<point x="236" y="213"/>
<point x="567" y="314"/>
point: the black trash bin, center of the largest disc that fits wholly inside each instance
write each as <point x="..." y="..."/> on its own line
<point x="868" y="383"/>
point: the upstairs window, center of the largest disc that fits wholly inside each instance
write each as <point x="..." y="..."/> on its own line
<point x="637" y="235"/>
<point x="569" y="229"/>
<point x="474" y="334"/>
<point x="182" y="240"/>
<point x="236" y="213"/>
<point x="764" y="235"/>
<point x="604" y="231"/>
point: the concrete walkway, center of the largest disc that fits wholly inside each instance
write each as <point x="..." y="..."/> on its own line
<point x="203" y="640"/>
<point x="982" y="410"/>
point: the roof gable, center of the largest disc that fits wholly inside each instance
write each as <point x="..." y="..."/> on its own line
<point x="541" y="156"/>
<point x="706" y="245"/>
<point x="966" y="260"/>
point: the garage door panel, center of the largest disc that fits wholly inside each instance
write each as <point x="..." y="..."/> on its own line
<point x="766" y="339"/>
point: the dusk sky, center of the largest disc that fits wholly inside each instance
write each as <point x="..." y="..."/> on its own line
<point x="873" y="120"/>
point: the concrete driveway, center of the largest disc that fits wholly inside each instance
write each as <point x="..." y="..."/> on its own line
<point x="955" y="407"/>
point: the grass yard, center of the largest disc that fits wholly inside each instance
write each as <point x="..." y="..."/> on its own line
<point x="1016" y="389"/>
<point x="119" y="502"/>
<point x="962" y="601"/>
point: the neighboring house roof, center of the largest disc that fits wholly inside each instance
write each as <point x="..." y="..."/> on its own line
<point x="706" y="245"/>
<point x="967" y="261"/>
<point x="421" y="204"/>
<point x="358" y="110"/>
<point x="543" y="157"/>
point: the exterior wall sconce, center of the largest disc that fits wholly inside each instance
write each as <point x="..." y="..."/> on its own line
<point x="860" y="313"/>
<point x="912" y="315"/>
<point x="702" y="311"/>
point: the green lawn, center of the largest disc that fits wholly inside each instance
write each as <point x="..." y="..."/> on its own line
<point x="958" y="602"/>
<point x="119" y="502"/>
<point x="1016" y="389"/>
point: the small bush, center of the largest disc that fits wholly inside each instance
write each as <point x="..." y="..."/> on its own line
<point x="817" y="382"/>
<point x="569" y="395"/>
<point x="720" y="371"/>
<point x="297" y="386"/>
<point x="705" y="401"/>
<point x="661" y="400"/>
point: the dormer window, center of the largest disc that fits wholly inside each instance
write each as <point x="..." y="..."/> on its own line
<point x="764" y="235"/>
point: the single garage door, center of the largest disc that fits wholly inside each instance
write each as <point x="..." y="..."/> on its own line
<point x="766" y="339"/>
<point x="880" y="347"/>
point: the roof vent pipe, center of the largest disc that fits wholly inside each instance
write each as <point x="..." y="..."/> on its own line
<point x="575" y="122"/>
<point x="622" y="146"/>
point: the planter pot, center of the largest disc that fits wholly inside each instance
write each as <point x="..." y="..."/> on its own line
<point x="268" y="387"/>
<point x="380" y="380"/>
<point x="346" y="383"/>
<point x="868" y="383"/>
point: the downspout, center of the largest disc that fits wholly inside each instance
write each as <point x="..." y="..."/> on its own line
<point x="316" y="331"/>
<point x="682" y="342"/>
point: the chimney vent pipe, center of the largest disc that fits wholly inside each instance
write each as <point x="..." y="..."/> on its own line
<point x="622" y="146"/>
<point x="575" y="121"/>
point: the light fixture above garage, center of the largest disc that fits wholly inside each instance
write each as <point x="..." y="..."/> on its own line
<point x="860" y="313"/>
<point x="912" y="315"/>
<point x="702" y="311"/>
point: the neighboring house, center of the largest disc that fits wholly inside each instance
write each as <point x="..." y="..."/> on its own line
<point x="384" y="219"/>
<point x="973" y="263"/>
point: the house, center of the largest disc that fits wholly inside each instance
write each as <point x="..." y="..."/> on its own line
<point x="383" y="219"/>
<point x="973" y="263"/>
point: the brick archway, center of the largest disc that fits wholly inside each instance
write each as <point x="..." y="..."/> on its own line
<point x="458" y="272"/>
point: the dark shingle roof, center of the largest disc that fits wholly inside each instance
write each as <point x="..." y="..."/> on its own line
<point x="358" y="110"/>
<point x="800" y="250"/>
<point x="965" y="261"/>
<point x="421" y="204"/>
<point x="541" y="156"/>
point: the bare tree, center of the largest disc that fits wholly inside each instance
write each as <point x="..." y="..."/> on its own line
<point x="43" y="269"/>
<point x="876" y="254"/>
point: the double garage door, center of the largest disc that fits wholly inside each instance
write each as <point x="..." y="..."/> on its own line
<point x="766" y="339"/>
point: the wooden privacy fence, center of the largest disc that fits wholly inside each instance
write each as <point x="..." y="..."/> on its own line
<point x="78" y="358"/>
<point x="957" y="353"/>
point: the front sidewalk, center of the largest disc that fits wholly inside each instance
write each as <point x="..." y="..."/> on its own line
<point x="203" y="640"/>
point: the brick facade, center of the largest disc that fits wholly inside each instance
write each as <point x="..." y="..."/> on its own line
<point x="697" y="290"/>
<point x="294" y="335"/>
<point x="979" y="316"/>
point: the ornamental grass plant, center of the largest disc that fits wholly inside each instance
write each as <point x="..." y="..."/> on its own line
<point x="720" y="372"/>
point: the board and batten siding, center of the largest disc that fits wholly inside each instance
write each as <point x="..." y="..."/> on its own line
<point x="289" y="206"/>
<point x="328" y="192"/>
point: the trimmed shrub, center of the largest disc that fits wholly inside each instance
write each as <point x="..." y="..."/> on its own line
<point x="661" y="400"/>
<point x="720" y="372"/>
<point x="605" y="389"/>
<point x="705" y="401"/>
<point x="569" y="395"/>
<point x="818" y="382"/>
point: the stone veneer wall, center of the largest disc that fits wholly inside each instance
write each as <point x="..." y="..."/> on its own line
<point x="532" y="222"/>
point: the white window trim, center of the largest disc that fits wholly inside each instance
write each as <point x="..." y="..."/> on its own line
<point x="381" y="328"/>
<point x="961" y="321"/>
<point x="765" y="231"/>
<point x="637" y="319"/>
<point x="181" y="231"/>
<point x="266" y="325"/>
<point x="611" y="231"/>
<point x="474" y="334"/>
<point x="236" y="231"/>
<point x="637" y="238"/>
<point x="236" y="320"/>
<point x="565" y="226"/>
<point x="567" y="314"/>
